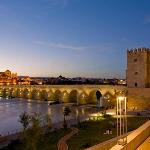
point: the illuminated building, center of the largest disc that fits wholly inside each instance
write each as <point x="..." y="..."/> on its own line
<point x="24" y="80"/>
<point x="8" y="78"/>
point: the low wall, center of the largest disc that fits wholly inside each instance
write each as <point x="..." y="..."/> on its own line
<point x="136" y="138"/>
<point x="106" y="145"/>
<point x="138" y="98"/>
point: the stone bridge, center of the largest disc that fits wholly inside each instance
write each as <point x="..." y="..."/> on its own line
<point x="66" y="93"/>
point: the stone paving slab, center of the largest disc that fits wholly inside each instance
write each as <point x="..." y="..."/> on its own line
<point x="145" y="145"/>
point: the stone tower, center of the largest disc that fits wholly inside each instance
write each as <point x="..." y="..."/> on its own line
<point x="138" y="68"/>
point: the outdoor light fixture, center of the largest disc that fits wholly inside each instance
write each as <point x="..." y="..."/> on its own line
<point x="121" y="120"/>
<point x="77" y="115"/>
<point x="83" y="96"/>
<point x="77" y="98"/>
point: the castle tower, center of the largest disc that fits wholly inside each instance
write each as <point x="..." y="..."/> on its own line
<point x="138" y="68"/>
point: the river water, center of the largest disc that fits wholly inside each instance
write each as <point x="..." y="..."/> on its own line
<point x="10" y="110"/>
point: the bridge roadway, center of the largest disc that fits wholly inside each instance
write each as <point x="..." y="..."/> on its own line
<point x="65" y="93"/>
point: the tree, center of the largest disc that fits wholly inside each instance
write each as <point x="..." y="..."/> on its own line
<point x="67" y="112"/>
<point x="31" y="137"/>
<point x="47" y="122"/>
<point x="24" y="120"/>
<point x="98" y="96"/>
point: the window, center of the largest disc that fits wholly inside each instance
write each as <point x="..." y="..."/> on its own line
<point x="135" y="84"/>
<point x="135" y="60"/>
<point x="136" y="73"/>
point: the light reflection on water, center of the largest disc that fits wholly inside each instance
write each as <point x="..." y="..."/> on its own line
<point x="11" y="109"/>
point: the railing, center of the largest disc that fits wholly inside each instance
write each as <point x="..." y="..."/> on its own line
<point x="136" y="138"/>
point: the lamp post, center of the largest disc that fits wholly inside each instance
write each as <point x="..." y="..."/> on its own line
<point x="64" y="97"/>
<point x="77" y="98"/>
<point x="121" y="120"/>
<point x="77" y="115"/>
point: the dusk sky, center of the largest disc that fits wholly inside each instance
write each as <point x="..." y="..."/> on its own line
<point x="71" y="37"/>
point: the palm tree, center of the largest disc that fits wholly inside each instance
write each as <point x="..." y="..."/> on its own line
<point x="66" y="112"/>
<point x="32" y="135"/>
<point x="24" y="120"/>
<point x="47" y="122"/>
<point x="98" y="96"/>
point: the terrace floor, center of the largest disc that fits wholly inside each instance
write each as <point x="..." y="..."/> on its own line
<point x="145" y="145"/>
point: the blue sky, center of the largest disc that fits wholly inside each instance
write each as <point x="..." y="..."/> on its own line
<point x="71" y="37"/>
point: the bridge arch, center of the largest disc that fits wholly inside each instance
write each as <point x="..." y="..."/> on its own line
<point x="44" y="95"/>
<point x="14" y="93"/>
<point x="83" y="97"/>
<point x="109" y="99"/>
<point x="57" y="95"/>
<point x="36" y="94"/>
<point x="65" y="96"/>
<point x="73" y="96"/>
<point x="92" y="97"/>
<point x="19" y="92"/>
<point x="49" y="95"/>
<point x="5" y="92"/>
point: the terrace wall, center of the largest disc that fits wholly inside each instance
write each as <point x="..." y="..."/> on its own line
<point x="136" y="138"/>
<point x="138" y="98"/>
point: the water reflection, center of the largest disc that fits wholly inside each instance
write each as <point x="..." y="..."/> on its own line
<point x="11" y="109"/>
<point x="83" y="111"/>
<point x="29" y="106"/>
<point x="49" y="111"/>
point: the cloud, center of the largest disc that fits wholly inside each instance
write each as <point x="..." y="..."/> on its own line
<point x="61" y="46"/>
<point x="103" y="47"/>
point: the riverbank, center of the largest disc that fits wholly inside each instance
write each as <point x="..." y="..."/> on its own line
<point x="90" y="133"/>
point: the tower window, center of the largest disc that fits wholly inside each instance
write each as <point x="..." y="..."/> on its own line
<point x="135" y="84"/>
<point x="135" y="60"/>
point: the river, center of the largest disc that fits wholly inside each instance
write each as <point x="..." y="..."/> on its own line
<point x="10" y="110"/>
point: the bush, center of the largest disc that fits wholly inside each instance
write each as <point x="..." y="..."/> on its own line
<point x="106" y="115"/>
<point x="138" y="114"/>
<point x="86" y="145"/>
<point x="83" y="126"/>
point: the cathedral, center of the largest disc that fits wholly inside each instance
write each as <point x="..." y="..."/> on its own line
<point x="8" y="78"/>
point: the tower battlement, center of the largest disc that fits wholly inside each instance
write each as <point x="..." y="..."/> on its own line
<point x="138" y="50"/>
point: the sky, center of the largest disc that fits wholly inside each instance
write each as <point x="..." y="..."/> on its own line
<point x="87" y="38"/>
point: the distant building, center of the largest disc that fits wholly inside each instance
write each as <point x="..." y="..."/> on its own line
<point x="122" y="82"/>
<point x="8" y="78"/>
<point x="138" y="68"/>
<point x="24" y="80"/>
<point x="36" y="81"/>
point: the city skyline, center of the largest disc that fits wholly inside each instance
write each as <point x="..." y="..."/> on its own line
<point x="71" y="37"/>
